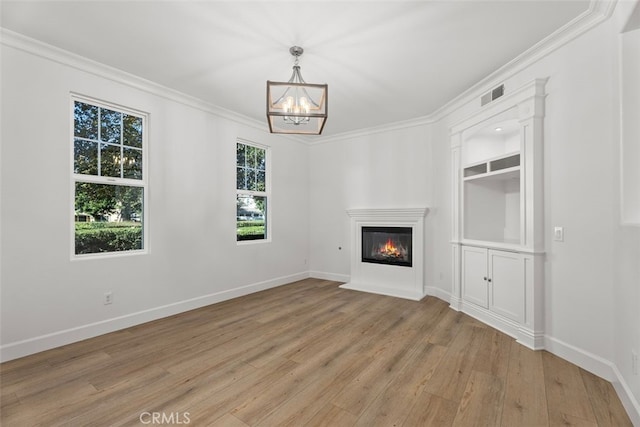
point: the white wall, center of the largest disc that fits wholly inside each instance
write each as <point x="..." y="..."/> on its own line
<point x="49" y="299"/>
<point x="382" y="170"/>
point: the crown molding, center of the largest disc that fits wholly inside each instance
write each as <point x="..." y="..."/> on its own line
<point x="405" y="124"/>
<point x="43" y="50"/>
<point x="528" y="91"/>
<point x="598" y="12"/>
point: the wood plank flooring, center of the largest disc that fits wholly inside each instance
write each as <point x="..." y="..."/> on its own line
<point x="306" y="354"/>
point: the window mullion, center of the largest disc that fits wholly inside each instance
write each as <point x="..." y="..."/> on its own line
<point x="108" y="180"/>
<point x="252" y="193"/>
<point x="99" y="141"/>
<point x="121" y="146"/>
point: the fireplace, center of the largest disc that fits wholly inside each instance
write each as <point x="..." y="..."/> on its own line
<point x="387" y="245"/>
<point x="387" y="251"/>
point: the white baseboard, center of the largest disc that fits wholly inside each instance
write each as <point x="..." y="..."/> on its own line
<point x="587" y="361"/>
<point x="487" y="317"/>
<point x="530" y="338"/>
<point x="343" y="278"/>
<point x="584" y="359"/>
<point x="600" y="367"/>
<point x="56" y="339"/>
<point x="437" y="292"/>
<point x="629" y="402"/>
<point x="384" y="290"/>
<point x="428" y="291"/>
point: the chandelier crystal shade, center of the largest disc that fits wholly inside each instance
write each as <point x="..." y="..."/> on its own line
<point x="296" y="107"/>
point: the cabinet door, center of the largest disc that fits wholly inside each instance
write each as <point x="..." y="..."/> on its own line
<point x="506" y="288"/>
<point x="474" y="276"/>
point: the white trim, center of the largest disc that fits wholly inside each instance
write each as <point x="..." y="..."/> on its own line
<point x="389" y="214"/>
<point x="491" y="319"/>
<point x="588" y="361"/>
<point x="625" y="394"/>
<point x="401" y="125"/>
<point x="29" y="346"/>
<point x="508" y="106"/>
<point x="598" y="11"/>
<point x="266" y="193"/>
<point x="398" y="281"/>
<point x="43" y="50"/>
<point x="336" y="277"/>
<point x="108" y="180"/>
<point x="600" y="367"/>
<point x="385" y="290"/>
<point x="435" y="291"/>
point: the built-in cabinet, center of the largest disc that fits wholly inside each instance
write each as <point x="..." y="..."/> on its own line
<point x="494" y="280"/>
<point x="497" y="234"/>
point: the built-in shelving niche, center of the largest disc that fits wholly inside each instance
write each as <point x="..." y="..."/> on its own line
<point x="491" y="183"/>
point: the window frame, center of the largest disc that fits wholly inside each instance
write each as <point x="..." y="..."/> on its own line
<point x="143" y="182"/>
<point x="266" y="193"/>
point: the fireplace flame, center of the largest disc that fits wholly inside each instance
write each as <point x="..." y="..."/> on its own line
<point x="389" y="249"/>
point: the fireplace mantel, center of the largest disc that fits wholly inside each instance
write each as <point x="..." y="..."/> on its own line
<point x="397" y="281"/>
<point x="389" y="214"/>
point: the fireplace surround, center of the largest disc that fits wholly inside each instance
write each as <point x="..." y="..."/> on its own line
<point x="387" y="251"/>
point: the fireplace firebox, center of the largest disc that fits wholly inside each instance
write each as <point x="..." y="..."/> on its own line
<point x="387" y="245"/>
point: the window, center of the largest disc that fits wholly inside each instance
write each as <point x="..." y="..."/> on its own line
<point x="252" y="192"/>
<point x="108" y="178"/>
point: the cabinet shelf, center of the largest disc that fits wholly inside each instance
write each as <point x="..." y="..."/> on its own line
<point x="507" y="163"/>
<point x="503" y="174"/>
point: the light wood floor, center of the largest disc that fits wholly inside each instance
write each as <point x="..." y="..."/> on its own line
<point x="306" y="354"/>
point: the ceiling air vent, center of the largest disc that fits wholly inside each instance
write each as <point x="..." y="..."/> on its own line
<point x="492" y="95"/>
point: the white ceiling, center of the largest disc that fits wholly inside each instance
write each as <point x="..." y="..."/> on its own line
<point x="384" y="61"/>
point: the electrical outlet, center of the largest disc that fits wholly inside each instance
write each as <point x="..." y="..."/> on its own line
<point x="558" y="234"/>
<point x="108" y="298"/>
<point x="635" y="361"/>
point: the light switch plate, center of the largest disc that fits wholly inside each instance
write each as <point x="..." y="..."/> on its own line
<point x="558" y="234"/>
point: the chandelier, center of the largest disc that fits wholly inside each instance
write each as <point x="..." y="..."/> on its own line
<point x="296" y="107"/>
